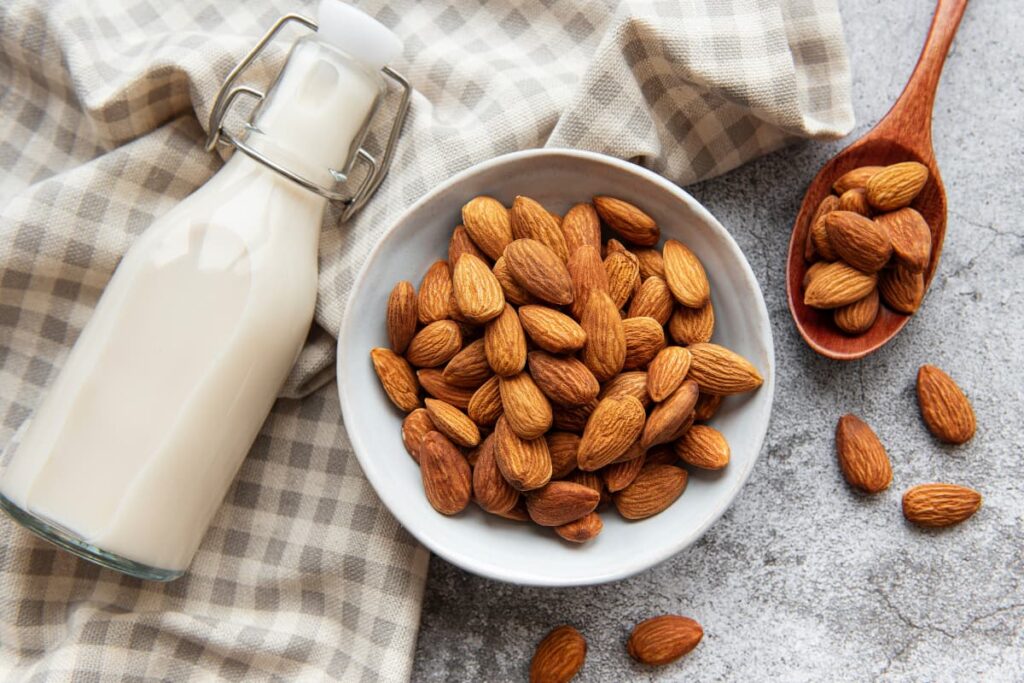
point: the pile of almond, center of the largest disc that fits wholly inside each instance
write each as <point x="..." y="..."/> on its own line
<point x="560" y="372"/>
<point x="866" y="242"/>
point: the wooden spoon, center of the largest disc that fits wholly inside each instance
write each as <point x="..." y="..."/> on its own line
<point x="904" y="134"/>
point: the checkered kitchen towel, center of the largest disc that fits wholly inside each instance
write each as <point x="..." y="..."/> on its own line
<point x="102" y="108"/>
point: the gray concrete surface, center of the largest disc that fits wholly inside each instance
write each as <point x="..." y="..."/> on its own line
<point x="803" y="580"/>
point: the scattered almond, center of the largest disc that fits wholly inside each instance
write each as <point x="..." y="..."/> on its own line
<point x="940" y="505"/>
<point x="944" y="407"/>
<point x="862" y="458"/>
<point x="559" y="657"/>
<point x="660" y="640"/>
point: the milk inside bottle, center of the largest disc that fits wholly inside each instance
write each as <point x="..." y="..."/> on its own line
<point x="132" y="450"/>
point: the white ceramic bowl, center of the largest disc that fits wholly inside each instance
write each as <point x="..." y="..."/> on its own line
<point x="513" y="551"/>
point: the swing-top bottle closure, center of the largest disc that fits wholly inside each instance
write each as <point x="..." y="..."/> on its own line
<point x="352" y="36"/>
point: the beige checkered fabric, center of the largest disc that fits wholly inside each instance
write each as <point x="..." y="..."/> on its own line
<point x="303" y="575"/>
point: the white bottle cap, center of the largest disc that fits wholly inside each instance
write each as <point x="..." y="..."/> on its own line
<point x="358" y="34"/>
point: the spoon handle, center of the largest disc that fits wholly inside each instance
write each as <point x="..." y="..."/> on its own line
<point x="910" y="119"/>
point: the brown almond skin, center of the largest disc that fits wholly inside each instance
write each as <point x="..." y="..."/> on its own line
<point x="855" y="200"/>
<point x="660" y="640"/>
<point x="505" y="343"/>
<point x="561" y="502"/>
<point x="858" y="317"/>
<point x="668" y="416"/>
<point x="707" y="406"/>
<point x="910" y="236"/>
<point x="811" y="271"/>
<point x="540" y="271"/>
<point x="397" y="378"/>
<point x="581" y="530"/>
<point x="896" y="186"/>
<point x="940" y="505"/>
<point x="838" y="284"/>
<point x="862" y="457"/>
<point x="453" y="423"/>
<point x="446" y="476"/>
<point x="645" y="337"/>
<point x="531" y="220"/>
<point x="604" y="351"/>
<point x="611" y="429"/>
<point x="513" y="291"/>
<point x="573" y="419"/>
<point x="562" y="446"/>
<point x="829" y="203"/>
<point x="435" y="344"/>
<point x="558" y="657"/>
<point x="660" y="455"/>
<point x="628" y="221"/>
<point x="552" y="330"/>
<point x="654" y="489"/>
<point x="436" y="294"/>
<point x="619" y="475"/>
<point x="717" y="370"/>
<point x="652" y="300"/>
<point x="401" y="316"/>
<point x="461" y="243"/>
<point x="484" y="406"/>
<point x="563" y="379"/>
<point x="488" y="222"/>
<point x="525" y="406"/>
<point x="432" y="380"/>
<point x="581" y="227"/>
<point x="469" y="367"/>
<point x="623" y="271"/>
<point x="525" y="463"/>
<point x="651" y="263"/>
<point x="820" y="239"/>
<point x="492" y="492"/>
<point x="685" y="275"/>
<point x="856" y="179"/>
<point x="692" y="325"/>
<point x="901" y="289"/>
<point x="588" y="274"/>
<point x="478" y="293"/>
<point x="945" y="409"/>
<point x="415" y="426"/>
<point x="632" y="383"/>
<point x="861" y="242"/>
<point x="667" y="371"/>
<point x="703" y="446"/>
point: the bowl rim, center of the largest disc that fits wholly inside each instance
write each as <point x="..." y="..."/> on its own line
<point x="513" y="576"/>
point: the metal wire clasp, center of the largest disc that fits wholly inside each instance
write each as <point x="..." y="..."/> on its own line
<point x="376" y="170"/>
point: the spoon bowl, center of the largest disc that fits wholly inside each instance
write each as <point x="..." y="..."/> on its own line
<point x="904" y="134"/>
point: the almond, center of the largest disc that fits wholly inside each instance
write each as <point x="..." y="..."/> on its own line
<point x="397" y="378"/>
<point x="685" y="275"/>
<point x="838" y="284"/>
<point x="478" y="293"/>
<point x="858" y="317"/>
<point x="559" y="656"/>
<point x="645" y="337"/>
<point x="581" y="227"/>
<point x="492" y="492"/>
<point x="902" y="289"/>
<point x="436" y="294"/>
<point x="855" y="200"/>
<point x="944" y="406"/>
<point x="667" y="371"/>
<point x="619" y="475"/>
<point x="604" y="351"/>
<point x="897" y="185"/>
<point x="653" y="300"/>
<point x="525" y="406"/>
<point x="564" y="380"/>
<point x="717" y="370"/>
<point x="461" y="243"/>
<point x="518" y="513"/>
<point x="530" y="220"/>
<point x="505" y="343"/>
<point x="632" y="224"/>
<point x="829" y="203"/>
<point x="653" y="490"/>
<point x="435" y="344"/>
<point x="684" y="427"/>
<point x="820" y="237"/>
<point x="525" y="463"/>
<point x="552" y="330"/>
<point x="561" y="502"/>
<point x="668" y="416"/>
<point x="484" y="406"/>
<point x="623" y="270"/>
<point x="572" y="418"/>
<point x="612" y="428"/>
<point x="660" y="455"/>
<point x="692" y="325"/>
<point x="939" y="505"/>
<point x="859" y="241"/>
<point x="707" y="406"/>
<point x="445" y="473"/>
<point x="661" y="640"/>
<point x="651" y="263"/>
<point x="631" y="453"/>
<point x="489" y="224"/>
<point x="703" y="446"/>
<point x="592" y="480"/>
<point x="539" y="270"/>
<point x="910" y="236"/>
<point x="401" y="316"/>
<point x="813" y="270"/>
<point x="862" y="458"/>
<point x="513" y="291"/>
<point x="415" y="426"/>
<point x="453" y="423"/>
<point x="857" y="178"/>
<point x="588" y="274"/>
<point x="632" y="383"/>
<point x="581" y="530"/>
<point x="468" y="368"/>
<point x="433" y="381"/>
<point x="562" y="447"/>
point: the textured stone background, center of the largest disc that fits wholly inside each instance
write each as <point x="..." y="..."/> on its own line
<point x="802" y="579"/>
